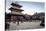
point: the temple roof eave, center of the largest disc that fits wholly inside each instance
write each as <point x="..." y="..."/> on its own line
<point x="15" y="9"/>
<point x="17" y="5"/>
<point x="16" y="14"/>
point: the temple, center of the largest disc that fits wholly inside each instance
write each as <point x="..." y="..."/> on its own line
<point x="16" y="12"/>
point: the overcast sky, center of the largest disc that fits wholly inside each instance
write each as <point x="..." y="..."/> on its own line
<point x="28" y="7"/>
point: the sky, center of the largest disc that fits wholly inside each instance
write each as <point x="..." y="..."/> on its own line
<point x="29" y="7"/>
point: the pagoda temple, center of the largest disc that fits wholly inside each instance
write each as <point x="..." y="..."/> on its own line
<point x="15" y="12"/>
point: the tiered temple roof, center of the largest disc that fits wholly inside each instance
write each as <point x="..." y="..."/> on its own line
<point x="17" y="5"/>
<point x="16" y="9"/>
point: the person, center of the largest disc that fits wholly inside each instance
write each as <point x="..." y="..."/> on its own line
<point x="43" y="22"/>
<point x="7" y="25"/>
